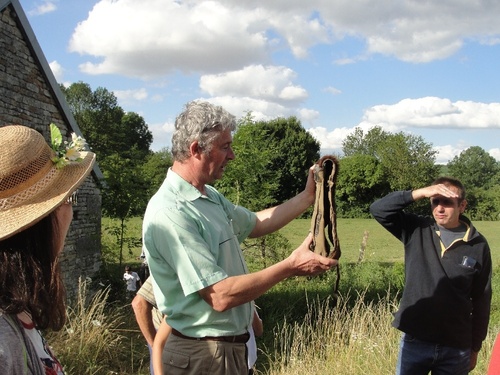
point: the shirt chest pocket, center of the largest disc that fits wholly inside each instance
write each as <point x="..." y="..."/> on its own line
<point x="462" y="273"/>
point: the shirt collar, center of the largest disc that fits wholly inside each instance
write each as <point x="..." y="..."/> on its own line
<point x="188" y="191"/>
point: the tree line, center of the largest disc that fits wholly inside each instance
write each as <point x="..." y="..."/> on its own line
<point x="272" y="160"/>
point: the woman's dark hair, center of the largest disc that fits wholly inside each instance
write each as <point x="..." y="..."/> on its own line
<point x="30" y="275"/>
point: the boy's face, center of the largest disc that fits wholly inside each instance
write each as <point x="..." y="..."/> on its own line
<point x="446" y="211"/>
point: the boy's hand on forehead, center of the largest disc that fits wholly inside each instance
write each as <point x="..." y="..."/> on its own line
<point x="435" y="190"/>
<point x="445" y="191"/>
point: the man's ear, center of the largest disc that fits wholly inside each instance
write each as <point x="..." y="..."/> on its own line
<point x="195" y="149"/>
<point x="463" y="205"/>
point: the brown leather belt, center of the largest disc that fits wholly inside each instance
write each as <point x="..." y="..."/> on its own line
<point x="238" y="339"/>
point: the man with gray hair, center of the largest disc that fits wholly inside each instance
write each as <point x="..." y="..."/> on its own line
<point x="192" y="237"/>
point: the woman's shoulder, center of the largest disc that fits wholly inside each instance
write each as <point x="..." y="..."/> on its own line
<point x="12" y="337"/>
<point x="9" y="322"/>
<point x="16" y="352"/>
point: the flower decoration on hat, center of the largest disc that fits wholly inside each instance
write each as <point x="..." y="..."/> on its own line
<point x="65" y="152"/>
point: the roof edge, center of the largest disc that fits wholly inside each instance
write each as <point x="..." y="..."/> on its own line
<point x="46" y="70"/>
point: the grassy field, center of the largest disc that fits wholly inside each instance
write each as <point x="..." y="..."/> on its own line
<point x="381" y="245"/>
<point x="305" y="332"/>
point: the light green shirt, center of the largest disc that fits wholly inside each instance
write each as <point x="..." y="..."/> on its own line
<point x="193" y="241"/>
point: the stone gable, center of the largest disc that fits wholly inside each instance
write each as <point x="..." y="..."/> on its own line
<point x="30" y="96"/>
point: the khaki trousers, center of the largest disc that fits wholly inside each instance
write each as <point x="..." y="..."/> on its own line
<point x="199" y="357"/>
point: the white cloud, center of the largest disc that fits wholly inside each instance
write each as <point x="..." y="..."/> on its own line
<point x="429" y="112"/>
<point x="332" y="90"/>
<point x="345" y="61"/>
<point x="46" y="6"/>
<point x="432" y="112"/>
<point x="127" y="96"/>
<point x="271" y="83"/>
<point x="57" y="70"/>
<point x="299" y="30"/>
<point x="414" y="31"/>
<point x="260" y="109"/>
<point x="162" y="135"/>
<point x="265" y="91"/>
<point x="151" y="38"/>
<point x="495" y="152"/>
<point x="330" y="141"/>
<point x="231" y="45"/>
<point x="446" y="153"/>
<point x="308" y="115"/>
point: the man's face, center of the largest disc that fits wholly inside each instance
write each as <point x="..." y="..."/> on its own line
<point x="219" y="156"/>
<point x="446" y="211"/>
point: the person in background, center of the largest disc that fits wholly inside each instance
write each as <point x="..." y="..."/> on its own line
<point x="147" y="315"/>
<point x="445" y="307"/>
<point x="144" y="269"/>
<point x="37" y="186"/>
<point x="192" y="237"/>
<point x="132" y="280"/>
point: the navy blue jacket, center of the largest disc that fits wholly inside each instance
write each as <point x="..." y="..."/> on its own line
<point x="443" y="302"/>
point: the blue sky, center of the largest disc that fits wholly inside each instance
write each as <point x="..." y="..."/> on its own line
<point x="427" y="68"/>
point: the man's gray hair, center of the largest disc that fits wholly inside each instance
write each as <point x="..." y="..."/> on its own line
<point x="202" y="122"/>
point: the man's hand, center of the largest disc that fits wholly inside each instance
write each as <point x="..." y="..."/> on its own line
<point x="304" y="262"/>
<point x="432" y="191"/>
<point x="310" y="188"/>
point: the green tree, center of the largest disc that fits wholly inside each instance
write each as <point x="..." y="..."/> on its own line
<point x="123" y="195"/>
<point x="135" y="137"/>
<point x="121" y="141"/>
<point x="365" y="144"/>
<point x="155" y="169"/>
<point x="272" y="161"/>
<point x="271" y="166"/>
<point x="408" y="161"/>
<point x="361" y="177"/>
<point x="292" y="151"/>
<point x="249" y="179"/>
<point x="484" y="204"/>
<point x="475" y="168"/>
<point x="104" y="124"/>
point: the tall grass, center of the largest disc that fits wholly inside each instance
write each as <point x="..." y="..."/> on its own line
<point x="348" y="340"/>
<point x="342" y="340"/>
<point x="93" y="341"/>
<point x="349" y="335"/>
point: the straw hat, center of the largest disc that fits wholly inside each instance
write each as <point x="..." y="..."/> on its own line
<point x="31" y="186"/>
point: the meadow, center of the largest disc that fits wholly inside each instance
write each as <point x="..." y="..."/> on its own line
<point x="308" y="330"/>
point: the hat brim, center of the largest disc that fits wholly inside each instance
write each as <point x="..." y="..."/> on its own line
<point x="65" y="182"/>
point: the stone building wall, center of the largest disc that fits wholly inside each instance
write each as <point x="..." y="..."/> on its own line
<point x="28" y="97"/>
